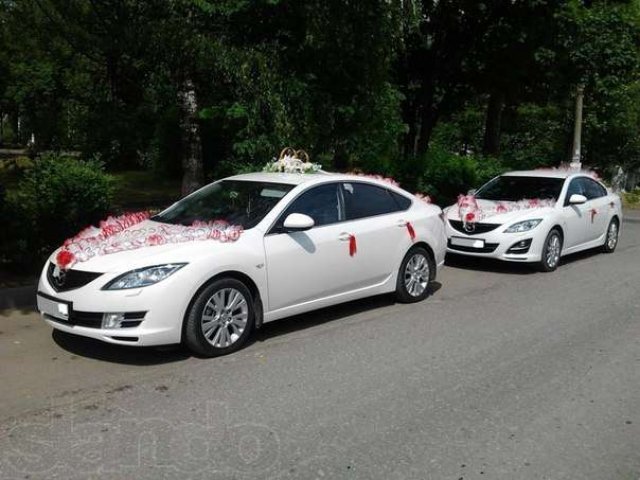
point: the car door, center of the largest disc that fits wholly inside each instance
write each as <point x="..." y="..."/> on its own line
<point x="575" y="216"/>
<point x="598" y="209"/>
<point x="378" y="223"/>
<point x="314" y="264"/>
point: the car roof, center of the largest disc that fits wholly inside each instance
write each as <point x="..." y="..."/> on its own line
<point x="276" y="177"/>
<point x="547" y="173"/>
<point x="305" y="178"/>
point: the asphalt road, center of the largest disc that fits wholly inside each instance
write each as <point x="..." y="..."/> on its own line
<point x="502" y="373"/>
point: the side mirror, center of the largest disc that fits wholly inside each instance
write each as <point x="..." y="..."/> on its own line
<point x="471" y="191"/>
<point x="576" y="199"/>
<point x="298" y="222"/>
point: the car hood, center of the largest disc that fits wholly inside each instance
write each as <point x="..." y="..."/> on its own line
<point x="452" y="212"/>
<point x="187" y="251"/>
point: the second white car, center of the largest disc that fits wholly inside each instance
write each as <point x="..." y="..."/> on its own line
<point x="535" y="216"/>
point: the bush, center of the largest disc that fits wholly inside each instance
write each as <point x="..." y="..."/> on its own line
<point x="55" y="199"/>
<point x="444" y="175"/>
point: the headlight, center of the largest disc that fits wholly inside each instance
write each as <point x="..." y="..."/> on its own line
<point x="143" y="277"/>
<point x="524" y="226"/>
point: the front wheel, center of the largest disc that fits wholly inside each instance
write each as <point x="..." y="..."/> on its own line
<point x="611" y="239"/>
<point x="220" y="319"/>
<point x="551" y="251"/>
<point x="416" y="272"/>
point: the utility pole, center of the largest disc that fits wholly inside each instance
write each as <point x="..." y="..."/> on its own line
<point x="576" y="161"/>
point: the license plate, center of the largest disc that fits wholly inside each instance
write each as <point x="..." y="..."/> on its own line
<point x="467" y="242"/>
<point x="56" y="308"/>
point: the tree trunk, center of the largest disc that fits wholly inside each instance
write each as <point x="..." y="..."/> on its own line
<point x="427" y="124"/>
<point x="192" y="165"/>
<point x="493" y="124"/>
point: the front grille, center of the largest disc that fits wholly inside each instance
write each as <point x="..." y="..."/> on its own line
<point x="488" y="248"/>
<point x="69" y="279"/>
<point x="478" y="227"/>
<point x="94" y="319"/>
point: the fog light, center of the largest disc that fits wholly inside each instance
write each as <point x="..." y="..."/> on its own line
<point x="112" y="320"/>
<point x="520" y="247"/>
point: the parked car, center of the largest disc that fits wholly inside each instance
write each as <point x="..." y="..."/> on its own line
<point x="535" y="216"/>
<point x="284" y="244"/>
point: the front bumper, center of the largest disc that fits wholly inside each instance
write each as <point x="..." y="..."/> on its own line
<point x="497" y="244"/>
<point x="153" y="314"/>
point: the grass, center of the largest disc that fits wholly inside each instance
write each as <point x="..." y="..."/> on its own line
<point x="141" y="190"/>
<point x="631" y="199"/>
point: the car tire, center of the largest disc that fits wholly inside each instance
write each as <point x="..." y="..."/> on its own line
<point x="551" y="251"/>
<point x="220" y="319"/>
<point x="611" y="237"/>
<point x="415" y="274"/>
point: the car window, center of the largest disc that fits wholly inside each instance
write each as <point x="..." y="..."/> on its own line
<point x="585" y="186"/>
<point x="576" y="187"/>
<point x="320" y="203"/>
<point x="402" y="201"/>
<point x="515" y="187"/>
<point x="364" y="200"/>
<point x="238" y="202"/>
<point x="593" y="189"/>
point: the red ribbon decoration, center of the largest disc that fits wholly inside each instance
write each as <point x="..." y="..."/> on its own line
<point x="594" y="212"/>
<point x="353" y="248"/>
<point x="412" y="232"/>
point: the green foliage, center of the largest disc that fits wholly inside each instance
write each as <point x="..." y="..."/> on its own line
<point x="56" y="198"/>
<point x="444" y="175"/>
<point x="367" y="85"/>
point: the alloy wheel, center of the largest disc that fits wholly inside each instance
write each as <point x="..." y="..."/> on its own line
<point x="612" y="235"/>
<point x="416" y="275"/>
<point x="552" y="255"/>
<point x="224" y="317"/>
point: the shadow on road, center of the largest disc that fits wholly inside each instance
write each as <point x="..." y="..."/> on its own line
<point x="488" y="265"/>
<point x="499" y="266"/>
<point x="106" y="352"/>
<point x="326" y="315"/>
<point x="90" y="348"/>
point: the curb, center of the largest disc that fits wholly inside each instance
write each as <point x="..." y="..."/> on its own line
<point x="18" y="297"/>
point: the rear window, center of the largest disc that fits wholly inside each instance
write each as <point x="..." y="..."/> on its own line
<point x="364" y="200"/>
<point x="403" y="202"/>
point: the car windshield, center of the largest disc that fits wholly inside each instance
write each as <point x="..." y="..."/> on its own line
<point x="513" y="188"/>
<point x="242" y="203"/>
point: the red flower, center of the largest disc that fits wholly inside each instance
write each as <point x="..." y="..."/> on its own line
<point x="470" y="217"/>
<point x="155" y="239"/>
<point x="65" y="258"/>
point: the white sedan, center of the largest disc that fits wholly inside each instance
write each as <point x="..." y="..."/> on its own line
<point x="535" y="216"/>
<point x="239" y="252"/>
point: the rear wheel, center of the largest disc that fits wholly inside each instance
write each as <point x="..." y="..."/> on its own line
<point x="221" y="318"/>
<point x="611" y="239"/>
<point x="416" y="272"/>
<point x="551" y="251"/>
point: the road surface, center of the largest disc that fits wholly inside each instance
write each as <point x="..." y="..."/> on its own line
<point x="503" y="373"/>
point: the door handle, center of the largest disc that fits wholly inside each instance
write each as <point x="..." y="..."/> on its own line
<point x="402" y="223"/>
<point x="344" y="237"/>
